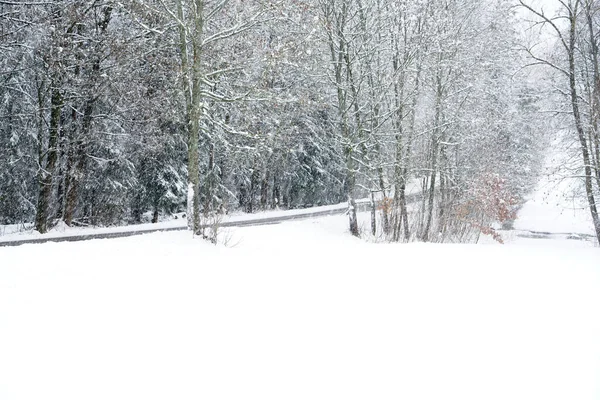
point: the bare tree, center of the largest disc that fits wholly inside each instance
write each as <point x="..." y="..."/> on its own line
<point x="576" y="13"/>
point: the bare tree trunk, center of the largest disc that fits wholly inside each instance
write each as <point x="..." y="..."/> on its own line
<point x="264" y="190"/>
<point x="595" y="103"/>
<point x="411" y="132"/>
<point x="192" y="81"/>
<point x="276" y="191"/>
<point x="338" y="48"/>
<point x="156" y="209"/>
<point x="352" y="219"/>
<point x="434" y="156"/>
<point x="400" y="213"/>
<point x="349" y="186"/>
<point x="579" y="123"/>
<point x="210" y="183"/>
<point x="78" y="165"/>
<point x="359" y="130"/>
<point x="444" y="201"/>
<point x="373" y="215"/>
<point x="75" y="173"/>
<point x="431" y="192"/>
<point x="61" y="175"/>
<point x="373" y="68"/>
<point x="47" y="169"/>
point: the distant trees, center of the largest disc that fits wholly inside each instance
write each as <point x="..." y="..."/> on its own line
<point x="116" y="112"/>
<point x="425" y="93"/>
<point x="18" y="128"/>
<point x="77" y="83"/>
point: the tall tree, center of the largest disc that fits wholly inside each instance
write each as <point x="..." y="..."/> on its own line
<point x="579" y="16"/>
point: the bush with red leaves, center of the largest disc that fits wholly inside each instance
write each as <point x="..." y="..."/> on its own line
<point x="489" y="200"/>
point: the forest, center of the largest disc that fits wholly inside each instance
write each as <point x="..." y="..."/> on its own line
<point x="438" y="111"/>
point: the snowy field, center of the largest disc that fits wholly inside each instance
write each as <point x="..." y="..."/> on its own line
<point x="299" y="310"/>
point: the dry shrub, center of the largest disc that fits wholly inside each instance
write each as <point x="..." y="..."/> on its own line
<point x="385" y="205"/>
<point x="488" y="201"/>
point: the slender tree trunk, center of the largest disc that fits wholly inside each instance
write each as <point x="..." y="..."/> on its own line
<point x="72" y="193"/>
<point x="338" y="50"/>
<point x="399" y="184"/>
<point x="276" y="191"/>
<point x="264" y="190"/>
<point x="579" y="125"/>
<point x="156" y="205"/>
<point x="384" y="209"/>
<point x="192" y="81"/>
<point x="374" y="68"/>
<point x="444" y="201"/>
<point x="62" y="172"/>
<point x="78" y="164"/>
<point x="409" y="141"/>
<point x="47" y="172"/>
<point x="595" y="103"/>
<point x="430" y="192"/>
<point x="60" y="192"/>
<point x="78" y="169"/>
<point x="254" y="186"/>
<point x="359" y="129"/>
<point x="434" y="156"/>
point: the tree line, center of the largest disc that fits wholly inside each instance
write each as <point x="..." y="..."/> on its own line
<point x="121" y="112"/>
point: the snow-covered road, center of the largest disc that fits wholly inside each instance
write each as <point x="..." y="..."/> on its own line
<point x="17" y="237"/>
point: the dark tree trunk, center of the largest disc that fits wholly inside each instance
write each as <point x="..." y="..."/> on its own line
<point x="155" y="214"/>
<point x="264" y="191"/>
<point x="60" y="194"/>
<point x="373" y="215"/>
<point x="210" y="184"/>
<point x="254" y="186"/>
<point x="434" y="154"/>
<point x="47" y="169"/>
<point x="579" y="126"/>
<point x="276" y="192"/>
<point x="77" y="170"/>
<point x="595" y="103"/>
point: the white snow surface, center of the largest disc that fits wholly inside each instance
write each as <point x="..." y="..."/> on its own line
<point x="299" y="310"/>
<point x="557" y="204"/>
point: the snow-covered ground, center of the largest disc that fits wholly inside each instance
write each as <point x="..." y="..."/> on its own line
<point x="299" y="310"/>
<point x="302" y="310"/>
<point x="557" y="204"/>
